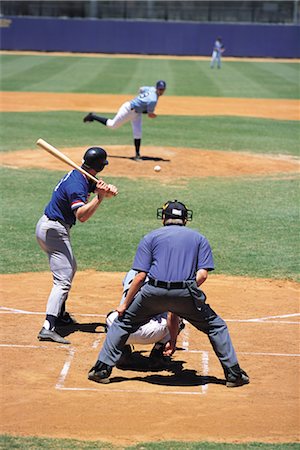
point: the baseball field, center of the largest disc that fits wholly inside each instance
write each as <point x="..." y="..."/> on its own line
<point x="227" y="142"/>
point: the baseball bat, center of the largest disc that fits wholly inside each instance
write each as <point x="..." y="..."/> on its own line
<point x="62" y="157"/>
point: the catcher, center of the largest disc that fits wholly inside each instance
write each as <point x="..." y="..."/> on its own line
<point x="159" y="330"/>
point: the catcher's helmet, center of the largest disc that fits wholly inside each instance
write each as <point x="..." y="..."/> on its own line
<point x="174" y="210"/>
<point x="161" y="84"/>
<point x="95" y="158"/>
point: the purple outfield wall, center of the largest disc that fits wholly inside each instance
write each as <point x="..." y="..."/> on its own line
<point x="142" y="37"/>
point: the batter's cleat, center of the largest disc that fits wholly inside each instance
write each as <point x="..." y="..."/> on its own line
<point x="65" y="319"/>
<point x="236" y="377"/>
<point x="51" y="335"/>
<point x="89" y="117"/>
<point x="137" y="158"/>
<point x="100" y="373"/>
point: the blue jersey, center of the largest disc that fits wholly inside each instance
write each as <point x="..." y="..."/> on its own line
<point x="146" y="101"/>
<point x="70" y="193"/>
<point x="173" y="253"/>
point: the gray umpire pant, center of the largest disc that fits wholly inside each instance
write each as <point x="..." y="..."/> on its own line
<point x="54" y="239"/>
<point x="188" y="303"/>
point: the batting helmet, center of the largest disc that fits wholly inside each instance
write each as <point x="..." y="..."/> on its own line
<point x="95" y="158"/>
<point x="174" y="210"/>
<point x="161" y="84"/>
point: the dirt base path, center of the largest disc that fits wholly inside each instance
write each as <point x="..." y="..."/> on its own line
<point x="168" y="105"/>
<point x="45" y="391"/>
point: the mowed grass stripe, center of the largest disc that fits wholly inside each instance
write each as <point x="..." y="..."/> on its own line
<point x="121" y="75"/>
<point x="252" y="224"/>
<point x="66" y="128"/>
<point x="30" y="443"/>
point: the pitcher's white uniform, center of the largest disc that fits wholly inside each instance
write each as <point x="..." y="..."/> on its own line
<point x="156" y="330"/>
<point x="132" y="111"/>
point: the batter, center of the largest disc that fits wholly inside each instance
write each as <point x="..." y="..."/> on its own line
<point x="69" y="202"/>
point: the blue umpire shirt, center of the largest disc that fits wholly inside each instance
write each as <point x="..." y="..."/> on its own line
<point x="71" y="192"/>
<point x="173" y="253"/>
<point x="146" y="101"/>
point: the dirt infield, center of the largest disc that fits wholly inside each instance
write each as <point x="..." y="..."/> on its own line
<point x="45" y="391"/>
<point x="168" y="105"/>
<point x="175" y="162"/>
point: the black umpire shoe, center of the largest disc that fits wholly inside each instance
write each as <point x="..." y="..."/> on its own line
<point x="51" y="335"/>
<point x="100" y="373"/>
<point x="88" y="117"/>
<point x="236" y="377"/>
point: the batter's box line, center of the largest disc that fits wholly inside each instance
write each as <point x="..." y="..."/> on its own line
<point x="71" y="353"/>
<point x="267" y="319"/>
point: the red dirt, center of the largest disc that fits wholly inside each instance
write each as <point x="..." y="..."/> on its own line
<point x="186" y="106"/>
<point x="151" y="406"/>
<point x="176" y="163"/>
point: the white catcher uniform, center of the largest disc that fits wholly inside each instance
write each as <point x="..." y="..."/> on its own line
<point x="156" y="330"/>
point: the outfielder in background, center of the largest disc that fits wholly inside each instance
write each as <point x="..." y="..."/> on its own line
<point x="158" y="331"/>
<point x="132" y="110"/>
<point x="69" y="202"/>
<point x="176" y="260"/>
<point x="218" y="50"/>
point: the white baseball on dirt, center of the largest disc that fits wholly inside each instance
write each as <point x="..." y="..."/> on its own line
<point x="157" y="168"/>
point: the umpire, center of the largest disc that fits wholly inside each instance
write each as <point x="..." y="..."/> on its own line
<point x="177" y="261"/>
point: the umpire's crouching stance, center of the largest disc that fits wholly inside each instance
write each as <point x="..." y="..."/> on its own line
<point x="177" y="261"/>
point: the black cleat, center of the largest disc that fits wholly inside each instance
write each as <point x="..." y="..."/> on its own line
<point x="236" y="377"/>
<point x="88" y="118"/>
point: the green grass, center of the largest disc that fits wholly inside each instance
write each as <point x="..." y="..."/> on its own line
<point x="252" y="224"/>
<point x="66" y="128"/>
<point x="125" y="75"/>
<point x="33" y="443"/>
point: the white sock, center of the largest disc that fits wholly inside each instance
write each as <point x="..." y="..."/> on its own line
<point x="46" y="325"/>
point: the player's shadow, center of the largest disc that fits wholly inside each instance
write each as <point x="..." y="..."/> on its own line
<point x="81" y="327"/>
<point x="186" y="377"/>
<point x="142" y="158"/>
<point x="176" y="376"/>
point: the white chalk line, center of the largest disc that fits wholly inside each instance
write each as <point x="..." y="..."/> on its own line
<point x="111" y="391"/>
<point x="34" y="346"/>
<point x="205" y="370"/>
<point x="267" y="319"/>
<point x="257" y="353"/>
<point x="64" y="347"/>
<point x="185" y="336"/>
<point x="5" y="310"/>
<point x="64" y="371"/>
<point x="71" y="353"/>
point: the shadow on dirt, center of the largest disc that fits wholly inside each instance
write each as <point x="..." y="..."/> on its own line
<point x="176" y="376"/>
<point x="81" y="327"/>
<point x="142" y="158"/>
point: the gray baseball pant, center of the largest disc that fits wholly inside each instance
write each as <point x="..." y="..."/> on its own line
<point x="54" y="239"/>
<point x="183" y="302"/>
